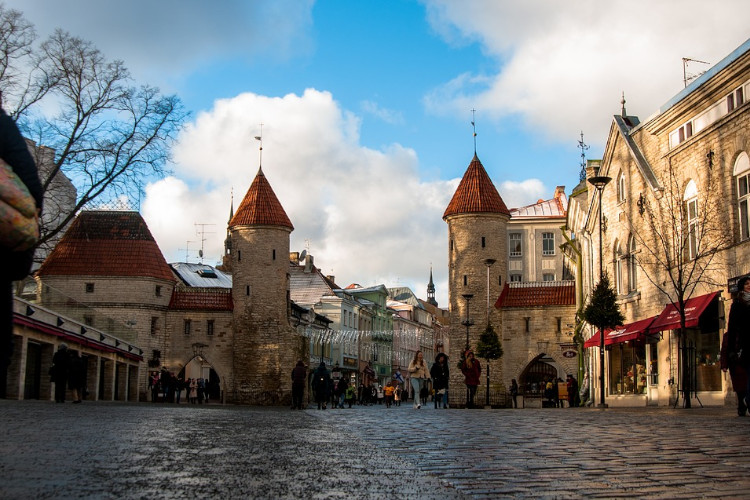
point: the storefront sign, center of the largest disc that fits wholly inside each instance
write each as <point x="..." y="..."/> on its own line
<point x="568" y="350"/>
<point x="350" y="361"/>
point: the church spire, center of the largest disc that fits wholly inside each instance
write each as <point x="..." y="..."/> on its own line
<point x="431" y="291"/>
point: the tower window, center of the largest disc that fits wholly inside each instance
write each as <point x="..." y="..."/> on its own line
<point x="527" y="320"/>
<point x="157" y="291"/>
<point x="483" y="242"/>
<point x="239" y="255"/>
<point x="210" y="327"/>
<point x="247" y="290"/>
<point x="89" y="288"/>
<point x="451" y="245"/>
<point x="466" y="280"/>
<point x="187" y="326"/>
<point x="273" y="254"/>
<point x="154" y="324"/>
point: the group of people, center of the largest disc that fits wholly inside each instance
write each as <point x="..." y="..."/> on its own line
<point x="168" y="388"/>
<point x="68" y="371"/>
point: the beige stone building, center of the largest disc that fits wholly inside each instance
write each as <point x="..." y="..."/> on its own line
<point x="674" y="231"/>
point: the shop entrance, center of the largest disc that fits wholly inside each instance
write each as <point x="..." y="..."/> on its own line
<point x="533" y="379"/>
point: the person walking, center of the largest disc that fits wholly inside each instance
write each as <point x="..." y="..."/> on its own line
<point x="321" y="385"/>
<point x="17" y="264"/>
<point x="418" y="373"/>
<point x="388" y="391"/>
<point x="471" y="370"/>
<point x="76" y="376"/>
<point x="572" y="385"/>
<point x="514" y="392"/>
<point x="299" y="377"/>
<point x="59" y="371"/>
<point x="440" y="375"/>
<point x="738" y="344"/>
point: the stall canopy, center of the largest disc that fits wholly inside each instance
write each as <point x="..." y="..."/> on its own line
<point x="700" y="312"/>
<point x="637" y="330"/>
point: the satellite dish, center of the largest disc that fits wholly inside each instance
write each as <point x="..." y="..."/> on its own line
<point x="200" y="253"/>
<point x="302" y="255"/>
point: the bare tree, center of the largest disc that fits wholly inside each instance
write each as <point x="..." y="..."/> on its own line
<point x="108" y="135"/>
<point x="681" y="233"/>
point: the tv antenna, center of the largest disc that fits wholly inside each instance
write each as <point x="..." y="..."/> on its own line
<point x="200" y="230"/>
<point x="689" y="77"/>
<point x="187" y="250"/>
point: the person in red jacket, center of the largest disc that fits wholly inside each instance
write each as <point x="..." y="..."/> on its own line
<point x="471" y="370"/>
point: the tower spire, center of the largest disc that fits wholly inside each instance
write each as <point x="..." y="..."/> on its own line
<point x="431" y="290"/>
<point x="474" y="128"/>
<point x="260" y="154"/>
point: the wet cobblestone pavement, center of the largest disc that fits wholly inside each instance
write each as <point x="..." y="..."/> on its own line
<point x="113" y="450"/>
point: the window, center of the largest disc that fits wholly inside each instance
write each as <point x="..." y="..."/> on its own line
<point x="273" y="254"/>
<point x="558" y="321"/>
<point x="466" y="280"/>
<point x="548" y="243"/>
<point x="742" y="172"/>
<point x="548" y="277"/>
<point x="527" y="320"/>
<point x="484" y="242"/>
<point x="157" y="290"/>
<point x="632" y="266"/>
<point x="619" y="288"/>
<point x="187" y="326"/>
<point x="730" y="102"/>
<point x="691" y="212"/>
<point x="515" y="278"/>
<point x="621" y="188"/>
<point x="154" y="325"/>
<point x="239" y="255"/>
<point x="514" y="239"/>
<point x="210" y="327"/>
<point x="89" y="288"/>
<point x="247" y="290"/>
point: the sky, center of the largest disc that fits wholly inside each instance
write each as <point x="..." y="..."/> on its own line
<point x="366" y="108"/>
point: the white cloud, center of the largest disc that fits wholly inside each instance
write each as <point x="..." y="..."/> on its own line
<point x="366" y="214"/>
<point x="389" y="116"/>
<point x="563" y="66"/>
<point x="520" y="194"/>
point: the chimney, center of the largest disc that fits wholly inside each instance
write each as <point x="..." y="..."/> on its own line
<point x="331" y="278"/>
<point x="309" y="263"/>
<point x="559" y="191"/>
<point x="592" y="168"/>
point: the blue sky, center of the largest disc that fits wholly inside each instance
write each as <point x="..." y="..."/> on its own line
<point x="367" y="105"/>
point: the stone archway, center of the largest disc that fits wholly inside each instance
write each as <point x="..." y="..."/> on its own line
<point x="200" y="367"/>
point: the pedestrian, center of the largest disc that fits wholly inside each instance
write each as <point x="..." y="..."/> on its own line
<point x="572" y="385"/>
<point x="381" y="396"/>
<point x="153" y="383"/>
<point x="388" y="393"/>
<point x="321" y="385"/>
<point x="180" y="387"/>
<point x="397" y="395"/>
<point x="201" y="390"/>
<point x="59" y="371"/>
<point x="17" y="264"/>
<point x="514" y="392"/>
<point x="440" y="374"/>
<point x="341" y="392"/>
<point x="76" y="376"/>
<point x="299" y="377"/>
<point x="738" y="344"/>
<point x="351" y="395"/>
<point x="193" y="391"/>
<point x="584" y="391"/>
<point x="418" y="373"/>
<point x="471" y="369"/>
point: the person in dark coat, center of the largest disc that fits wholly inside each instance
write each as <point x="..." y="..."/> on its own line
<point x="59" y="372"/>
<point x="14" y="152"/>
<point x="514" y="392"/>
<point x="735" y="348"/>
<point x="321" y="384"/>
<point x="299" y="376"/>
<point x="440" y="375"/>
<point x="471" y="369"/>
<point x="76" y="376"/>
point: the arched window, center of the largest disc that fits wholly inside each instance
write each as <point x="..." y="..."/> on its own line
<point x="621" y="188"/>
<point x="618" y="269"/>
<point x="691" y="214"/>
<point x="632" y="266"/>
<point x="742" y="173"/>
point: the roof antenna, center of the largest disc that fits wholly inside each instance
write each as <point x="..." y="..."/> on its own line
<point x="260" y="155"/>
<point x="474" y="127"/>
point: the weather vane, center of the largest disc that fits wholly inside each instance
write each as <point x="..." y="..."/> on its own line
<point x="260" y="138"/>
<point x="474" y="127"/>
<point x="584" y="147"/>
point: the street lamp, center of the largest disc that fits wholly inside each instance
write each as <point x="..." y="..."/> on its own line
<point x="599" y="182"/>
<point x="467" y="323"/>
<point x="488" y="263"/>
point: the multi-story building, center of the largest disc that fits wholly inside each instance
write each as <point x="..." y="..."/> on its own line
<point x="674" y="237"/>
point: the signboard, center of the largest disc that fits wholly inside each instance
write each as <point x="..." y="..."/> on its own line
<point x="569" y="350"/>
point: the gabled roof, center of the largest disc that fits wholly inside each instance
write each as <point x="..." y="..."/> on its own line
<point x="260" y="206"/>
<point x="107" y="243"/>
<point x="476" y="193"/>
<point x="405" y="295"/>
<point x="202" y="300"/>
<point x="537" y="293"/>
<point x="556" y="207"/>
<point x="306" y="288"/>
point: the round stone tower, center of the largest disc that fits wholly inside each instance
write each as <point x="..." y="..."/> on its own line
<point x="265" y="346"/>
<point x="477" y="266"/>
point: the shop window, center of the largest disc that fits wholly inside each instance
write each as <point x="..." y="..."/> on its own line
<point x="627" y="369"/>
<point x="742" y="173"/>
<point x="707" y="347"/>
<point x="653" y="364"/>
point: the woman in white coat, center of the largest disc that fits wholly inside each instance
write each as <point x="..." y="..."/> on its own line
<point x="419" y="374"/>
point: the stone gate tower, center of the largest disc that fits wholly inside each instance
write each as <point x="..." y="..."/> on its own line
<point x="266" y="347"/>
<point x="477" y="264"/>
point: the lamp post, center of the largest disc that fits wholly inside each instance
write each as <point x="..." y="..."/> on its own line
<point x="599" y="182"/>
<point x="467" y="323"/>
<point x="488" y="263"/>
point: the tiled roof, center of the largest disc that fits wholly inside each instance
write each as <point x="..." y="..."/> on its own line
<point x="537" y="293"/>
<point x="202" y="300"/>
<point x="260" y="206"/>
<point x="476" y="193"/>
<point x="556" y="207"/>
<point x="307" y="288"/>
<point x="107" y="243"/>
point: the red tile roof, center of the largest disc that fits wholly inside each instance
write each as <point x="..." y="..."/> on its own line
<point x="107" y="243"/>
<point x="203" y="300"/>
<point x="538" y="293"/>
<point x="260" y="206"/>
<point x="476" y="193"/>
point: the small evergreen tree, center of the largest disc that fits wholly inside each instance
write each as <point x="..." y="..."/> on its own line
<point x="602" y="310"/>
<point x="488" y="348"/>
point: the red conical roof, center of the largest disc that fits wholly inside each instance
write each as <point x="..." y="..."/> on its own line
<point x="260" y="206"/>
<point x="476" y="193"/>
<point x="107" y="243"/>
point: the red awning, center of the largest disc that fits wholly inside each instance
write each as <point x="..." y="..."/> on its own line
<point x="638" y="330"/>
<point x="669" y="319"/>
